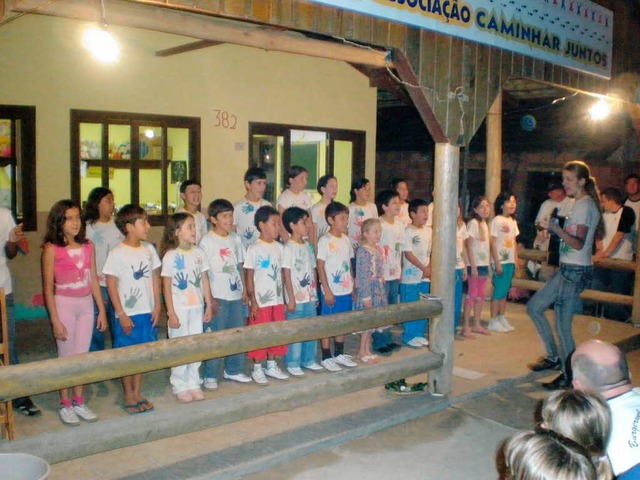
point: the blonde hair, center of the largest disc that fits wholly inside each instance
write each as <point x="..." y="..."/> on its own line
<point x="368" y="225"/>
<point x="585" y="418"/>
<point x="543" y="455"/>
<point x="581" y="169"/>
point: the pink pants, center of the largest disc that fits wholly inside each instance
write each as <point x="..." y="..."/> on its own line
<point x="76" y="314"/>
<point x="476" y="289"/>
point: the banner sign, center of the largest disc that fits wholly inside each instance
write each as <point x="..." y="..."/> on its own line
<point x="572" y="33"/>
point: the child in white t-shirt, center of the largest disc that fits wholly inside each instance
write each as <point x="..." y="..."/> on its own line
<point x="263" y="265"/>
<point x="223" y="249"/>
<point x="244" y="210"/>
<point x="360" y="209"/>
<point x="191" y="195"/>
<point x="416" y="270"/>
<point x="186" y="290"/>
<point x="295" y="195"/>
<point x="328" y="188"/>
<point x="299" y="268"/>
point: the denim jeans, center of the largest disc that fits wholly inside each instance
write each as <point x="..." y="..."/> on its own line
<point x="410" y="292"/>
<point x="458" y="291"/>
<point x="97" y="337"/>
<point x="229" y="315"/>
<point x="615" y="282"/>
<point x="384" y="338"/>
<point x="562" y="289"/>
<point x="303" y="353"/>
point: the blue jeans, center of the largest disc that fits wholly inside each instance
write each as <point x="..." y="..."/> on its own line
<point x="97" y="337"/>
<point x="562" y="289"/>
<point x="410" y="292"/>
<point x="384" y="338"/>
<point x="304" y="353"/>
<point x="229" y="315"/>
<point x="616" y="282"/>
<point x="458" y="298"/>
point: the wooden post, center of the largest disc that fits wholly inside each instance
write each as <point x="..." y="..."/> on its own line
<point x="447" y="164"/>
<point x="493" y="179"/>
<point x="54" y="374"/>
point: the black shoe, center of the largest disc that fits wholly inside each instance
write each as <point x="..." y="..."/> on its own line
<point x="545" y="364"/>
<point x="385" y="351"/>
<point x="394" y="346"/>
<point x="25" y="406"/>
<point x="560" y="383"/>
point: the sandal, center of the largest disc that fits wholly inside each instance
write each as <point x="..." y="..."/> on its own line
<point x="400" y="387"/>
<point x="146" y="405"/>
<point x="131" y="409"/>
<point x="372" y="359"/>
<point x="481" y="331"/>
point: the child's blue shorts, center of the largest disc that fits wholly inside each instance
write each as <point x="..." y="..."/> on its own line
<point x="142" y="331"/>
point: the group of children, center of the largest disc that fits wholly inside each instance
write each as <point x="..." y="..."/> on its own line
<point x="101" y="271"/>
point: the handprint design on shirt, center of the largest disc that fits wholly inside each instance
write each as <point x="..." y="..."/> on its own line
<point x="198" y="279"/>
<point x="141" y="272"/>
<point x="131" y="300"/>
<point x="247" y="208"/>
<point x="181" y="281"/>
<point x="178" y="262"/>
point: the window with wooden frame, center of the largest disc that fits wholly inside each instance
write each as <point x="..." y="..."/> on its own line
<point x="321" y="151"/>
<point x="18" y="163"/>
<point x="142" y="158"/>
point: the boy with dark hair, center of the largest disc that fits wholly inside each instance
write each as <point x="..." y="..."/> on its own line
<point x="223" y="249"/>
<point x="244" y="210"/>
<point x="191" y="195"/>
<point x="133" y="281"/>
<point x="336" y="278"/>
<point x="263" y="264"/>
<point x="392" y="243"/>
<point x="299" y="267"/>
<point x="416" y="270"/>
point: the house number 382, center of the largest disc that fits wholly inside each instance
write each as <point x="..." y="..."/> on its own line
<point x="225" y="119"/>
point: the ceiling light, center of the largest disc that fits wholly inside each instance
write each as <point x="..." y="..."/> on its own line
<point x="102" y="45"/>
<point x="600" y="110"/>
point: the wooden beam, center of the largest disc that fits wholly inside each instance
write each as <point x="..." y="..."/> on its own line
<point x="416" y="92"/>
<point x="121" y="432"/>
<point x="205" y="27"/>
<point x="493" y="179"/>
<point x="597" y="295"/>
<point x="187" y="47"/>
<point x="54" y="374"/>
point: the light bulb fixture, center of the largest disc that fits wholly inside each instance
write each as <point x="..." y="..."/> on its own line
<point x="100" y="42"/>
<point x="600" y="110"/>
<point x="149" y="133"/>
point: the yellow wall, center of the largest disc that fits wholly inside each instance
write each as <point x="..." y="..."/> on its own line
<point x="43" y="63"/>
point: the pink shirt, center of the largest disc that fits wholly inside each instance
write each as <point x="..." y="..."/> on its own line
<point x="72" y="270"/>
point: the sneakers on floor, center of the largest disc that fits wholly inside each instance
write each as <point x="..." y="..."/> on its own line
<point x="184" y="397"/>
<point x="295" y="371"/>
<point x="345" y="361"/>
<point x="415" y="343"/>
<point x="210" y="384"/>
<point x="238" y="377"/>
<point x="495" y="325"/>
<point x="275" y="372"/>
<point x="25" y="406"/>
<point x="314" y="367"/>
<point x="196" y="395"/>
<point x="85" y="413"/>
<point x="259" y="377"/>
<point x="505" y="324"/>
<point x="423" y="341"/>
<point x="330" y="365"/>
<point x="545" y="363"/>
<point x="69" y="417"/>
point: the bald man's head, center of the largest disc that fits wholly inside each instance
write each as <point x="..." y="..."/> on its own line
<point x="601" y="367"/>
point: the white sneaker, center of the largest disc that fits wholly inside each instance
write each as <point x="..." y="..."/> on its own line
<point x="85" y="413"/>
<point x="258" y="377"/>
<point x="415" y="343"/>
<point x="69" y="417"/>
<point x="295" y="371"/>
<point x="495" y="325"/>
<point x="238" y="377"/>
<point x="345" y="361"/>
<point x="423" y="341"/>
<point x="331" y="365"/>
<point x="210" y="384"/>
<point x="314" y="367"/>
<point x="505" y="324"/>
<point x="275" y="372"/>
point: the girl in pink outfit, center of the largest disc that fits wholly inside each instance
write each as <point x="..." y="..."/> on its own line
<point x="70" y="286"/>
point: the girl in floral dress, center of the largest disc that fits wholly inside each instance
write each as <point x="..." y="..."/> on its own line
<point x="370" y="290"/>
